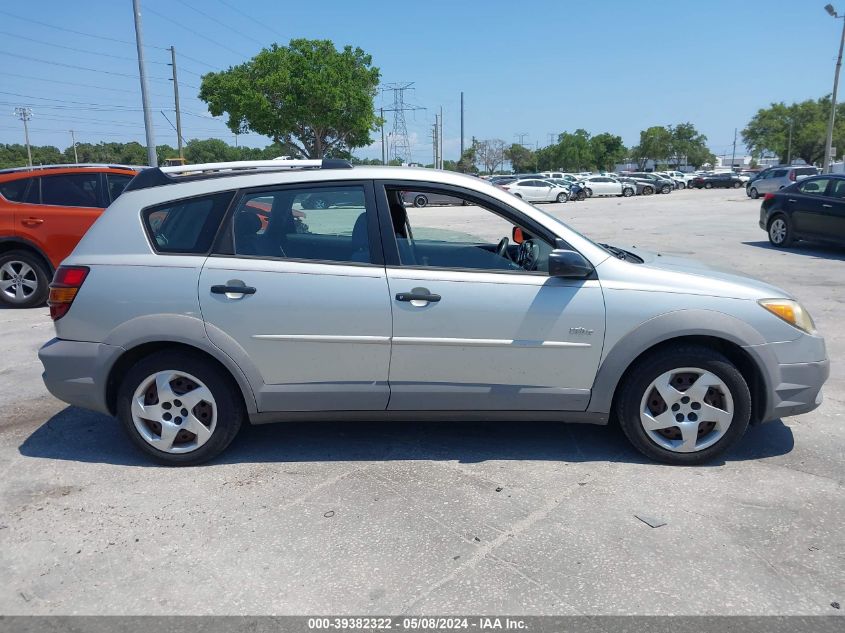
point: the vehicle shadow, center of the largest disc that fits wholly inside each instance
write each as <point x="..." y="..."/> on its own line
<point x="808" y="249"/>
<point x="84" y="436"/>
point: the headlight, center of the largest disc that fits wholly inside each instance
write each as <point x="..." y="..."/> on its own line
<point x="790" y="311"/>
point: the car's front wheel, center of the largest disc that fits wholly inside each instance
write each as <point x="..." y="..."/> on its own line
<point x="753" y="193"/>
<point x="588" y="192"/>
<point x="627" y="192"/>
<point x="179" y="409"/>
<point x="737" y="185"/>
<point x="581" y="195"/>
<point x="420" y="201"/>
<point x="684" y="406"/>
<point x="23" y="280"/>
<point x="780" y="231"/>
<point x="708" y="185"/>
<point x="666" y="189"/>
<point x="647" y="191"/>
<point x="562" y="197"/>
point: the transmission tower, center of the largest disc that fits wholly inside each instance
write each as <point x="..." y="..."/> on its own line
<point x="400" y="141"/>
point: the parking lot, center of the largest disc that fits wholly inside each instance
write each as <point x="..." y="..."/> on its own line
<point x="465" y="517"/>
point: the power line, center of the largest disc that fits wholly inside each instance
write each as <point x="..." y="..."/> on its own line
<point x="249" y="17"/>
<point x="61" y="28"/>
<point x="197" y="33"/>
<point x="216" y="21"/>
<point x="94" y="70"/>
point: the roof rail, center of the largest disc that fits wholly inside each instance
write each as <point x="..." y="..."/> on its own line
<point x="159" y="176"/>
<point x="10" y="170"/>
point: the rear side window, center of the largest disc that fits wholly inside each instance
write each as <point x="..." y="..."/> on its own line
<point x="806" y="171"/>
<point x="838" y="190"/>
<point x="186" y="226"/>
<point x="71" y="190"/>
<point x="779" y="173"/>
<point x="117" y="183"/>
<point x="814" y="187"/>
<point x="15" y="190"/>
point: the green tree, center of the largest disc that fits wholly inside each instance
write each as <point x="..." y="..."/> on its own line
<point x="655" y="144"/>
<point x="521" y="158"/>
<point x="572" y="152"/>
<point x="308" y="96"/>
<point x="688" y="145"/>
<point x="607" y="150"/>
<point x="466" y="163"/>
<point x="768" y="131"/>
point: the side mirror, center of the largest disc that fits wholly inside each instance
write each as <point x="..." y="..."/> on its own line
<point x="569" y="265"/>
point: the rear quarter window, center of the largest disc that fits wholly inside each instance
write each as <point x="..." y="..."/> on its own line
<point x="14" y="190"/>
<point x="186" y="226"/>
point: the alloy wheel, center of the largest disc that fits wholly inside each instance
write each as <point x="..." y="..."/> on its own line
<point x="18" y="281"/>
<point x="174" y="412"/>
<point x="778" y="231"/>
<point x="686" y="410"/>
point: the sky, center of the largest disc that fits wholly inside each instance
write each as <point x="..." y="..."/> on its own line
<point x="527" y="71"/>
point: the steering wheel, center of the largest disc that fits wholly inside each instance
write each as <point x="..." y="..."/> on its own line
<point x="502" y="248"/>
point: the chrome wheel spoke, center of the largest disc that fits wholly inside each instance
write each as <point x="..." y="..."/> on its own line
<point x="193" y="398"/>
<point x="657" y="422"/>
<point x="8" y="270"/>
<point x="669" y="394"/>
<point x="700" y="387"/>
<point x="195" y="426"/>
<point x="30" y="283"/>
<point x="148" y="412"/>
<point x="25" y="270"/>
<point x="7" y="284"/>
<point x="167" y="436"/>
<point x="689" y="435"/>
<point x="163" y="388"/>
<point x="710" y="413"/>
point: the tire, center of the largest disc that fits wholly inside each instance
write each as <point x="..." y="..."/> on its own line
<point x="563" y="197"/>
<point x="320" y="203"/>
<point x="737" y="185"/>
<point x="647" y="190"/>
<point x="24" y="280"/>
<point x="682" y="185"/>
<point x="780" y="232"/>
<point x="753" y="193"/>
<point x="708" y="185"/>
<point x="221" y="413"/>
<point x="627" y="192"/>
<point x="588" y="192"/>
<point x="581" y="196"/>
<point x="420" y="201"/>
<point x="728" y="400"/>
<point x="666" y="189"/>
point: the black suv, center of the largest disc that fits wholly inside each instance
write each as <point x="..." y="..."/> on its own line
<point x="812" y="209"/>
<point x="726" y="181"/>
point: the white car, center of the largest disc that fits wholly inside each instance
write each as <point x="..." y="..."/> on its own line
<point x="537" y="190"/>
<point x="680" y="177"/>
<point x="606" y="186"/>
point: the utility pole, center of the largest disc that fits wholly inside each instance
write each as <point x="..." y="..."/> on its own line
<point x="436" y="141"/>
<point x="176" y="99"/>
<point x="25" y="114"/>
<point x="145" y="97"/>
<point x="462" y="125"/>
<point x="733" y="153"/>
<point x="434" y="144"/>
<point x="828" y="145"/>
<point x="73" y="141"/>
<point x="441" y="138"/>
<point x="381" y="116"/>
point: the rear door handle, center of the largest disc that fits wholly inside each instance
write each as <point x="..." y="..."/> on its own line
<point x="417" y="296"/>
<point x="32" y="221"/>
<point x="827" y="206"/>
<point x="232" y="290"/>
<point x="791" y="199"/>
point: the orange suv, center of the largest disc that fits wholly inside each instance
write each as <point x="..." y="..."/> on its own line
<point x="44" y="212"/>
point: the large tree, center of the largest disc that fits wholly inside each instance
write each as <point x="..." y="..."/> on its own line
<point x="607" y="150"/>
<point x="688" y="146"/>
<point x="655" y="144"/>
<point x="308" y="96"/>
<point x="522" y="159"/>
<point x="490" y="154"/>
<point x="769" y="130"/>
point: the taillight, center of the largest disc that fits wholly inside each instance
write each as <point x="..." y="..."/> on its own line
<point x="792" y="176"/>
<point x="66" y="284"/>
<point x="768" y="196"/>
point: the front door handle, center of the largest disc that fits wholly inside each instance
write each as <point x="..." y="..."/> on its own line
<point x="417" y="296"/>
<point x="791" y="199"/>
<point x="32" y="221"/>
<point x="827" y="206"/>
<point x="232" y="290"/>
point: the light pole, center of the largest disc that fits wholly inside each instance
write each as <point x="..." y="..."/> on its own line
<point x="829" y="141"/>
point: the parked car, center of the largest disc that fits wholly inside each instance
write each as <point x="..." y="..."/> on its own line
<point x="606" y="186"/>
<point x="811" y="209"/>
<point x="661" y="184"/>
<point x="775" y="178"/>
<point x="723" y="180"/>
<point x="537" y="190"/>
<point x="577" y="192"/>
<point x="682" y="178"/>
<point x="497" y="310"/>
<point x="424" y="198"/>
<point x="44" y="211"/>
<point x="641" y="187"/>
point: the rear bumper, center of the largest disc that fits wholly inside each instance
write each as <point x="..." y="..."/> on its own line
<point x="76" y="372"/>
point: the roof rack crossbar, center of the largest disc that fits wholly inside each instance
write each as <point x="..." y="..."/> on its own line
<point x="158" y="176"/>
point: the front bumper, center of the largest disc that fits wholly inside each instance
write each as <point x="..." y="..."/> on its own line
<point x="76" y="371"/>
<point x="793" y="383"/>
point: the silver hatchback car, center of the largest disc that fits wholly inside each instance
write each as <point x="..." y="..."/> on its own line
<point x="776" y="178"/>
<point x="211" y="295"/>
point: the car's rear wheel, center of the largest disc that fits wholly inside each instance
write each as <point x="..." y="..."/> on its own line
<point x="753" y="193"/>
<point x="684" y="406"/>
<point x="581" y="195"/>
<point x="682" y="185"/>
<point x="24" y="280"/>
<point x="588" y="192"/>
<point x="780" y="231"/>
<point x="420" y="201"/>
<point x="179" y="409"/>
<point x="737" y="185"/>
<point x="708" y="185"/>
<point x="562" y="197"/>
<point x="627" y="192"/>
<point x="647" y="191"/>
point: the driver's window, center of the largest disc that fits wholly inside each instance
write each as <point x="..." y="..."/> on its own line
<point x="462" y="235"/>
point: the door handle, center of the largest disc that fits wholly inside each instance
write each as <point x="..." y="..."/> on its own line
<point x="232" y="290"/>
<point x="417" y="296"/>
<point x="827" y="206"/>
<point x="791" y="200"/>
<point x="32" y="221"/>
